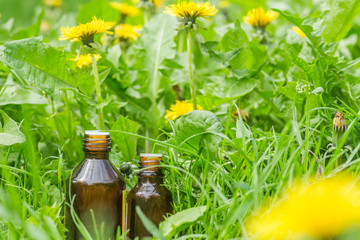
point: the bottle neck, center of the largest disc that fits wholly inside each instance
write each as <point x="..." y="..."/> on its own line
<point x="97" y="155"/>
<point x="150" y="168"/>
<point x="96" y="145"/>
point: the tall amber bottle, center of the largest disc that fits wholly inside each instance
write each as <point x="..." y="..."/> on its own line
<point x="95" y="184"/>
<point x="150" y="195"/>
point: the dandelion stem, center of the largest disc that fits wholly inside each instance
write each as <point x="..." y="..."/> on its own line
<point x="98" y="92"/>
<point x="181" y="41"/>
<point x="147" y="143"/>
<point x="68" y="114"/>
<point x="192" y="82"/>
<point x="146" y="16"/>
<point x="56" y="120"/>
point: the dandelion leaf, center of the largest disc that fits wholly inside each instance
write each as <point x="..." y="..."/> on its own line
<point x="181" y="220"/>
<point x="9" y="131"/>
<point x="43" y="66"/>
<point x="13" y="93"/>
<point x="232" y="87"/>
<point x="339" y="19"/>
<point x="198" y="129"/>
<point x="126" y="144"/>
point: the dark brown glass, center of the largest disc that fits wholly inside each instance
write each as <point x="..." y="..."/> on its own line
<point x="150" y="195"/>
<point x="96" y="185"/>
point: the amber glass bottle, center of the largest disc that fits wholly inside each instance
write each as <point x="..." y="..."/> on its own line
<point x="150" y="195"/>
<point x="95" y="184"/>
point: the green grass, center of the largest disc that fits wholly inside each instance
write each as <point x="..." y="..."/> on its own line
<point x="290" y="86"/>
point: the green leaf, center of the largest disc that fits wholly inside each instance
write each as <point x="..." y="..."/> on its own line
<point x="114" y="54"/>
<point x="10" y="132"/>
<point x="236" y="50"/>
<point x="306" y="25"/>
<point x="46" y="218"/>
<point x="300" y="62"/>
<point x="103" y="75"/>
<point x="198" y="129"/>
<point x="158" y="41"/>
<point x="232" y="87"/>
<point x="13" y="93"/>
<point x="181" y="220"/>
<point x="233" y="39"/>
<point x="126" y="144"/>
<point x="155" y="45"/>
<point x="104" y="103"/>
<point x="100" y="9"/>
<point x="43" y="66"/>
<point x="339" y="19"/>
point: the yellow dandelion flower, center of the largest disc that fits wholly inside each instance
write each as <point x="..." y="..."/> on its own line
<point x="86" y="32"/>
<point x="298" y="31"/>
<point x="224" y="4"/>
<point x="85" y="60"/>
<point x="127" y="32"/>
<point x="191" y="10"/>
<point x="257" y="17"/>
<point x="157" y="3"/>
<point x="125" y="9"/>
<point x="322" y="209"/>
<point x="179" y="108"/>
<point x="53" y="3"/>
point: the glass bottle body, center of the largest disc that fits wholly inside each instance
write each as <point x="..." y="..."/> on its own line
<point x="97" y="193"/>
<point x="153" y="199"/>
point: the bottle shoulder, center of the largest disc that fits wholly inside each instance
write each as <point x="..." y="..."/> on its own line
<point x="95" y="171"/>
<point x="149" y="190"/>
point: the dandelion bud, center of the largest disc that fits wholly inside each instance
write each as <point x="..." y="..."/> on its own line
<point x="244" y="115"/>
<point x="339" y="122"/>
<point x="126" y="169"/>
<point x="339" y="127"/>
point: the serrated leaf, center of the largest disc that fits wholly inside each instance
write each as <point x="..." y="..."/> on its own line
<point x="10" y="132"/>
<point x="100" y="9"/>
<point x="306" y="25"/>
<point x="43" y="66"/>
<point x="300" y="62"/>
<point x="181" y="220"/>
<point x="158" y="41"/>
<point x="339" y="19"/>
<point x="155" y="45"/>
<point x="13" y="93"/>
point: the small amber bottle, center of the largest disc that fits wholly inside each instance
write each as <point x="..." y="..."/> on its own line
<point x="150" y="195"/>
<point x="95" y="186"/>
